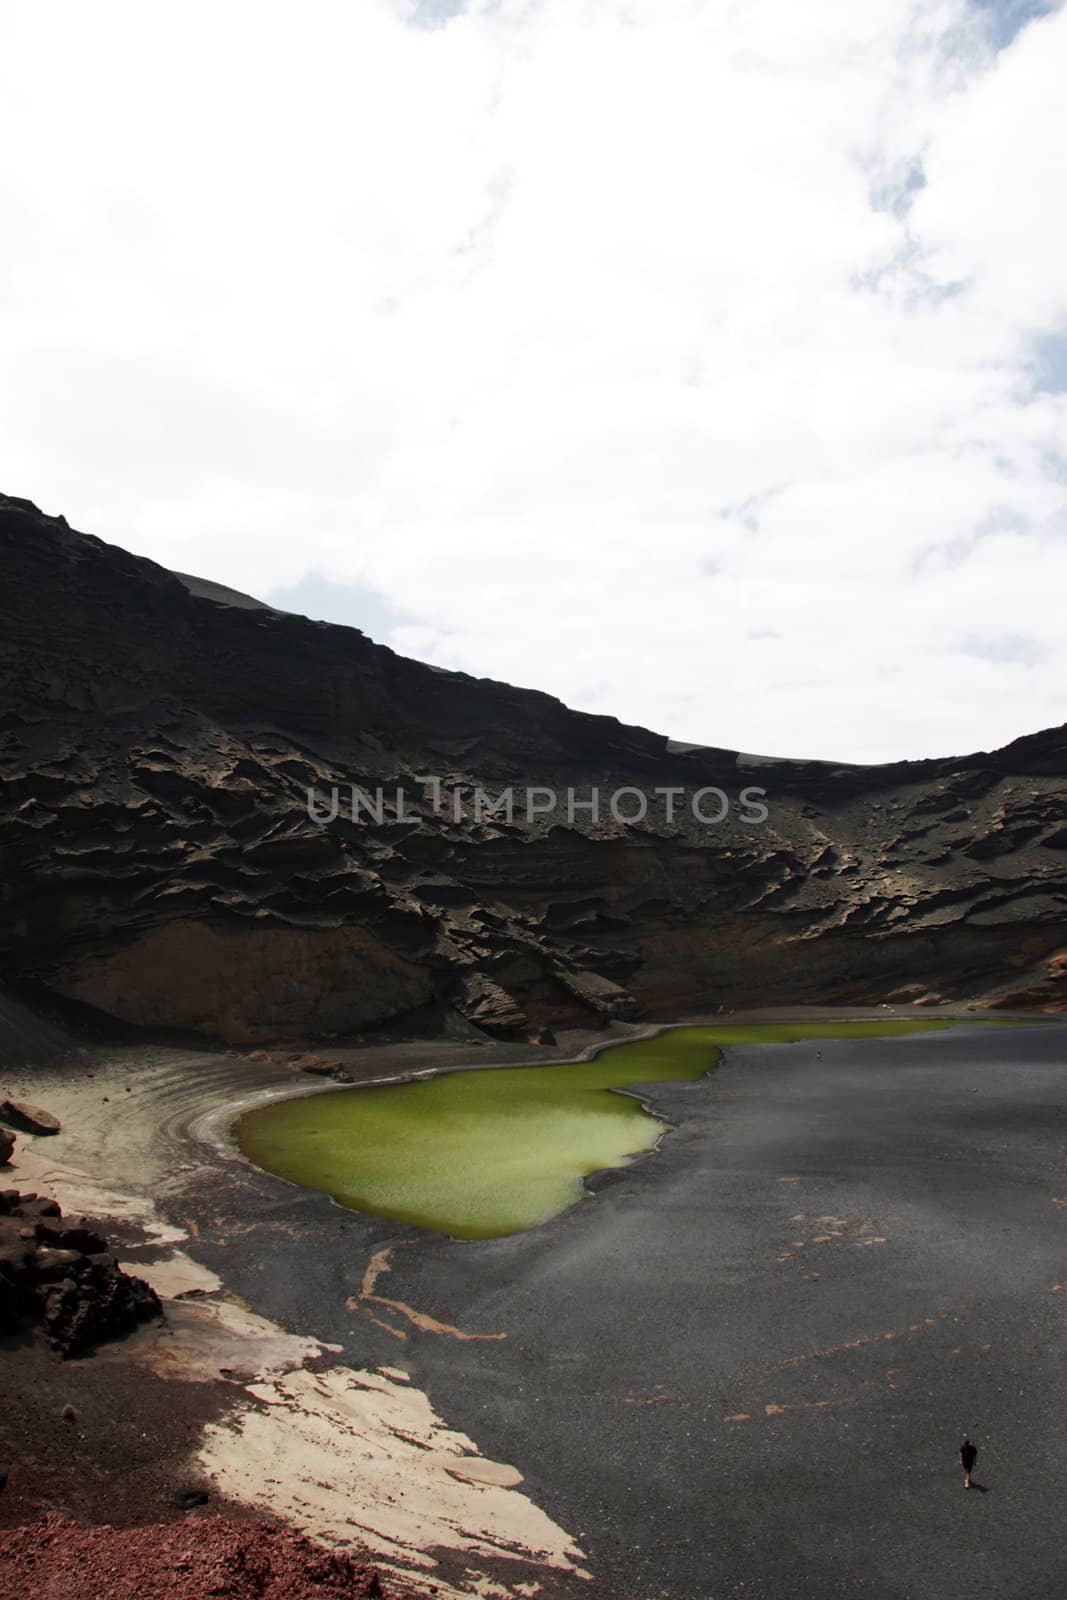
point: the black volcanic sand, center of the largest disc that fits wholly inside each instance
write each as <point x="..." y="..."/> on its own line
<point x="120" y="1453"/>
<point x="745" y="1367"/>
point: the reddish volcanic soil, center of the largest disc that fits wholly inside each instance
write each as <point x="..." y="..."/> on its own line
<point x="58" y="1560"/>
<point x="120" y="1457"/>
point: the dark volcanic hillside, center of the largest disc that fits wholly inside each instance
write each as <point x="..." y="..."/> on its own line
<point x="159" y="862"/>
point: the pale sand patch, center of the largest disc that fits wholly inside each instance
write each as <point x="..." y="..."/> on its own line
<point x="175" y="1275"/>
<point x="354" y="1456"/>
<point x="204" y="1339"/>
<point x="79" y="1194"/>
<point x="345" y="1456"/>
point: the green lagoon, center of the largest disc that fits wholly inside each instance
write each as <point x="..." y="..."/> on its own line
<point x="485" y="1153"/>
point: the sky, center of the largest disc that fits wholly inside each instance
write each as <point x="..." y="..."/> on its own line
<point x="701" y="362"/>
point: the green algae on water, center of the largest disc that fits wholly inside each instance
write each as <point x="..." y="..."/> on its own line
<point x="486" y="1153"/>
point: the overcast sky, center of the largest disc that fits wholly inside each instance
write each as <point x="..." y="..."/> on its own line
<point x="704" y="364"/>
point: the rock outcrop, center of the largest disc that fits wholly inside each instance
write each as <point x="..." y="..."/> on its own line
<point x="159" y="746"/>
<point x="58" y="1276"/>
<point x="30" y="1119"/>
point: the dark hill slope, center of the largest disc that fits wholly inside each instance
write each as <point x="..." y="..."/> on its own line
<point x="159" y="863"/>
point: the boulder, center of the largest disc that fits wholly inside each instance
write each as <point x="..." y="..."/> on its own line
<point x="59" y="1275"/>
<point x="61" y="1234"/>
<point x="50" y="1263"/>
<point x="7" y="1145"/>
<point x="30" y="1119"/>
<point x="99" y="1304"/>
<point x="16" y="1261"/>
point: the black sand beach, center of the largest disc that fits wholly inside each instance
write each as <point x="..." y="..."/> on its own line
<point x="746" y="1366"/>
<point x="742" y="1369"/>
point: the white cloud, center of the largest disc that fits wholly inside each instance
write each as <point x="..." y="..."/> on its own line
<point x="675" y="358"/>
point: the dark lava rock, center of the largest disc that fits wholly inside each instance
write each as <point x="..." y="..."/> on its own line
<point x="94" y="1306"/>
<point x="61" y="1234"/>
<point x="55" y="1263"/>
<point x="58" y="1277"/>
<point x="32" y="1205"/>
<point x="31" y="1119"/>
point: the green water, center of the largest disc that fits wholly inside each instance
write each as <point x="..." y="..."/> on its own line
<point x="483" y="1154"/>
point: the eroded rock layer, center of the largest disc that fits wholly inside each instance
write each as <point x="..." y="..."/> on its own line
<point x="158" y="748"/>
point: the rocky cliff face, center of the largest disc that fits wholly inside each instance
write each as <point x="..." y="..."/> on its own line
<point x="158" y="747"/>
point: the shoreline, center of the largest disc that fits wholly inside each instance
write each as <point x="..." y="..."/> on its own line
<point x="218" y="1127"/>
<point x="215" y="1128"/>
<point x="137" y="1136"/>
<point x="412" y="1494"/>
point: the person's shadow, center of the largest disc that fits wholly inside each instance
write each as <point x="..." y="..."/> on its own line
<point x="983" y="1488"/>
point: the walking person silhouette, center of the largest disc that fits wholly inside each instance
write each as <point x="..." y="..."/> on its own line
<point x="968" y="1457"/>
